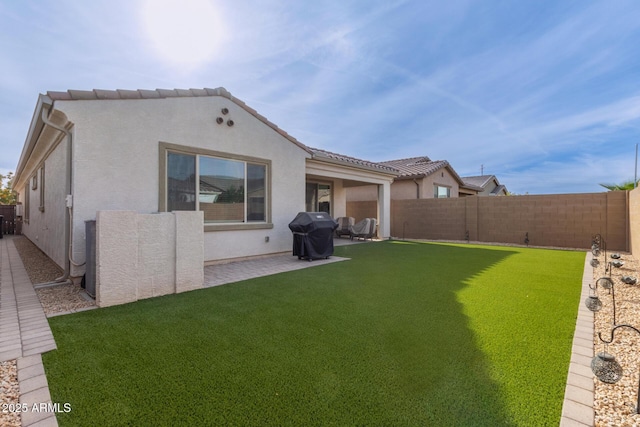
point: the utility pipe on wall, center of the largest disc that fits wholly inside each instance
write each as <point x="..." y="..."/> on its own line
<point x="68" y="212"/>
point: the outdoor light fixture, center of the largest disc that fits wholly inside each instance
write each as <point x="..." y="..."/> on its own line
<point x="605" y="367"/>
<point x="598" y="244"/>
<point x="605" y="282"/>
<point x="593" y="303"/>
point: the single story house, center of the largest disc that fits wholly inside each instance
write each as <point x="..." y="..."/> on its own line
<point x="419" y="178"/>
<point x="489" y="184"/>
<point x="154" y="151"/>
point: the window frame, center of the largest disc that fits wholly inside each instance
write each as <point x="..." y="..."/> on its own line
<point x="165" y="148"/>
<point x="42" y="193"/>
<point x="436" y="193"/>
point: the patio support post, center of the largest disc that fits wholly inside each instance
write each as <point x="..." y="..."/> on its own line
<point x="384" y="210"/>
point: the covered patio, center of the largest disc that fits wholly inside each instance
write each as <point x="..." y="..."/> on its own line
<point x="328" y="175"/>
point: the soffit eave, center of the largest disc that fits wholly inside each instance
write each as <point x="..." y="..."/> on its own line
<point x="340" y="170"/>
<point x="35" y="129"/>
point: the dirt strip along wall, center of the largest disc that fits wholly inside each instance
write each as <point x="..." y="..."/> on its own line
<point x="557" y="220"/>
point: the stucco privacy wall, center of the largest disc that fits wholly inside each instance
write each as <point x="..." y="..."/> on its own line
<point x="562" y="220"/>
<point x="146" y="255"/>
<point x="116" y="163"/>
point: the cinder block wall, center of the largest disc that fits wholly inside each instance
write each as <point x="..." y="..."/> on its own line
<point x="559" y="220"/>
<point x="362" y="210"/>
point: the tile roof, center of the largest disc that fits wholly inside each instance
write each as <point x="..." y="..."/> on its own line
<point x="319" y="153"/>
<point x="499" y="189"/>
<point x="482" y="180"/>
<point x="479" y="180"/>
<point x="417" y="166"/>
<point x="100" y="94"/>
<point x="422" y="166"/>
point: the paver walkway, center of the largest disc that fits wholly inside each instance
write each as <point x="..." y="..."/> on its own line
<point x="24" y="335"/>
<point x="220" y="274"/>
<point x="236" y="271"/>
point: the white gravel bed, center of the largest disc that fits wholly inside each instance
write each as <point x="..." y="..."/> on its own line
<point x="615" y="404"/>
<point x="40" y="268"/>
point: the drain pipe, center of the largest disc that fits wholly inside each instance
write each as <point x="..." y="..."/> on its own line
<point x="417" y="188"/>
<point x="64" y="279"/>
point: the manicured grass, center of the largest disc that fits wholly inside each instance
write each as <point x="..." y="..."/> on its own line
<point x="405" y="333"/>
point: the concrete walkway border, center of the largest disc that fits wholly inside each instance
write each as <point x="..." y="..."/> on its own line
<point x="24" y="336"/>
<point x="577" y="409"/>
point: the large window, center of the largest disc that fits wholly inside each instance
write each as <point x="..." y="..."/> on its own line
<point x="227" y="190"/>
<point x="441" y="192"/>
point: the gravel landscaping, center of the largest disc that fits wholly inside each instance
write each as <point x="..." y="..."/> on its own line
<point x="54" y="299"/>
<point x="615" y="404"/>
<point x="9" y="393"/>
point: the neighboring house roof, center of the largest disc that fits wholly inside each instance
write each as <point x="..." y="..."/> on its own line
<point x="46" y="101"/>
<point x="423" y="166"/>
<point x="483" y="180"/>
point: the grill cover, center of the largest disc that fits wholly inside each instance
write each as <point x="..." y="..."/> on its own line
<point x="313" y="235"/>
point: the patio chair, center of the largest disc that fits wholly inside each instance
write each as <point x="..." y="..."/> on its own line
<point x="365" y="229"/>
<point x="345" y="225"/>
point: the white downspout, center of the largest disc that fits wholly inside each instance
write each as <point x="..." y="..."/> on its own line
<point x="68" y="213"/>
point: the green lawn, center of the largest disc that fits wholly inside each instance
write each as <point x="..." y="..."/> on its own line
<point x="404" y="334"/>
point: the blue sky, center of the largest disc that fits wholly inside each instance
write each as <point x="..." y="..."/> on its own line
<point x="544" y="94"/>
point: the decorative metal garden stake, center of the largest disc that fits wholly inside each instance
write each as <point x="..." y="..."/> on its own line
<point x="606" y="283"/>
<point x="598" y="244"/>
<point x="605" y="367"/>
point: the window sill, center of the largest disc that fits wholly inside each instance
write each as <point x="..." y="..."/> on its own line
<point x="230" y="227"/>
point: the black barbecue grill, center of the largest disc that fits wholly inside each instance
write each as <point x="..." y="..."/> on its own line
<point x="313" y="235"/>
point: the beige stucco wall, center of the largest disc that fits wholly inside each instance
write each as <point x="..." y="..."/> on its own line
<point x="403" y="189"/>
<point x="116" y="162"/>
<point x="443" y="178"/>
<point x="46" y="228"/>
<point x="362" y="193"/>
<point x="142" y="256"/>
